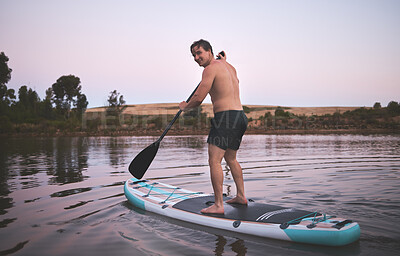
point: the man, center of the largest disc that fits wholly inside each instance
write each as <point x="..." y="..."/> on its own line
<point x="219" y="79"/>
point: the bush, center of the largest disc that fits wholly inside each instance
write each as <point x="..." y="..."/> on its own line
<point x="377" y="105"/>
<point x="246" y="109"/>
<point x="5" y="125"/>
<point x="393" y="107"/>
<point x="280" y="112"/>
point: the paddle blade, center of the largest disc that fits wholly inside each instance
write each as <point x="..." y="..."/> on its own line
<point x="142" y="161"/>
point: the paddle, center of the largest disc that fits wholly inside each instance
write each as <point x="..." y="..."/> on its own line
<point x="142" y="161"/>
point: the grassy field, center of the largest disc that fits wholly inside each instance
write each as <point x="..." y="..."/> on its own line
<point x="255" y="110"/>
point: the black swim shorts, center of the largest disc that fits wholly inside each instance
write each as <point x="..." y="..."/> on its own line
<point x="227" y="129"/>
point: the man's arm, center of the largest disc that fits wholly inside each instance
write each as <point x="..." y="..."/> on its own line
<point x="222" y="56"/>
<point x="202" y="91"/>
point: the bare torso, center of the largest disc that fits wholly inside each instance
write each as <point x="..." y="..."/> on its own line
<point x="219" y="79"/>
<point x="225" y="87"/>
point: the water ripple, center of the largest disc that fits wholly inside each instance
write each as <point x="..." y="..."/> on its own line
<point x="65" y="195"/>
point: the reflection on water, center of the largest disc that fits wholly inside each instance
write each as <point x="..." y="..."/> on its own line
<point x="238" y="246"/>
<point x="63" y="160"/>
<point x="64" y="196"/>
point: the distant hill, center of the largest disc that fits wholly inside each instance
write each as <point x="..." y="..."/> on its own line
<point x="253" y="111"/>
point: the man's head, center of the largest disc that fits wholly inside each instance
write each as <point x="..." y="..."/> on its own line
<point x="202" y="43"/>
<point x="202" y="52"/>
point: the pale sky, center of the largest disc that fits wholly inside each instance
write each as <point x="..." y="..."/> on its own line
<point x="286" y="52"/>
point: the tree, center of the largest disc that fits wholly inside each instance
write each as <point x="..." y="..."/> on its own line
<point x="393" y="107"/>
<point x="28" y="99"/>
<point x="115" y="104"/>
<point x="47" y="106"/>
<point x="27" y="107"/>
<point x="6" y="95"/>
<point x="81" y="103"/>
<point x="377" y="105"/>
<point x="5" y="71"/>
<point x="66" y="93"/>
<point x="115" y="101"/>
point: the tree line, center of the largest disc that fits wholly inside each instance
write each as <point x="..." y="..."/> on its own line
<point x="371" y="118"/>
<point x="64" y="106"/>
<point x="24" y="111"/>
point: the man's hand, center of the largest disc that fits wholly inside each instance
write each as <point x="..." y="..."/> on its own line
<point x="221" y="56"/>
<point x="182" y="105"/>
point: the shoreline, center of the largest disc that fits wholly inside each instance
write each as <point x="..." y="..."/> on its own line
<point x="151" y="120"/>
<point x="254" y="111"/>
<point x="188" y="132"/>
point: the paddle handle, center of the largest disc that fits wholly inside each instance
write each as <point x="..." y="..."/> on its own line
<point x="176" y="117"/>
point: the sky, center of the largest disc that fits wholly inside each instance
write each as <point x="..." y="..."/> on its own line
<point x="303" y="53"/>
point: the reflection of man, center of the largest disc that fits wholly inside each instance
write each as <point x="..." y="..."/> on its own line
<point x="229" y="123"/>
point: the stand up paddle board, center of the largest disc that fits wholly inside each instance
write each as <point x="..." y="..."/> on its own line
<point x="257" y="219"/>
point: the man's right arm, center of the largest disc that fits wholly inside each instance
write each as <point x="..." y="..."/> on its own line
<point x="202" y="91"/>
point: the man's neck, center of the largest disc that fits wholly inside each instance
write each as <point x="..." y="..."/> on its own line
<point x="208" y="63"/>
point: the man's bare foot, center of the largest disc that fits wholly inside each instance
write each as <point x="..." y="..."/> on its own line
<point x="213" y="209"/>
<point x="237" y="200"/>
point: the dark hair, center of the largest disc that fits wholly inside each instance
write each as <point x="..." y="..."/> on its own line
<point x="203" y="43"/>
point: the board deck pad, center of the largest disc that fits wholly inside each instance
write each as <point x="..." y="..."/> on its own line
<point x="251" y="212"/>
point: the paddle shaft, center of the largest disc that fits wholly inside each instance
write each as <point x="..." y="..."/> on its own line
<point x="176" y="117"/>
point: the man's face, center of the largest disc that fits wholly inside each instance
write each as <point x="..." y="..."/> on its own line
<point x="202" y="57"/>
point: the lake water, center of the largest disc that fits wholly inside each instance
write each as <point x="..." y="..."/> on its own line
<point x="64" y="196"/>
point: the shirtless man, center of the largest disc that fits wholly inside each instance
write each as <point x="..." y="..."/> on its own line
<point x="219" y="79"/>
